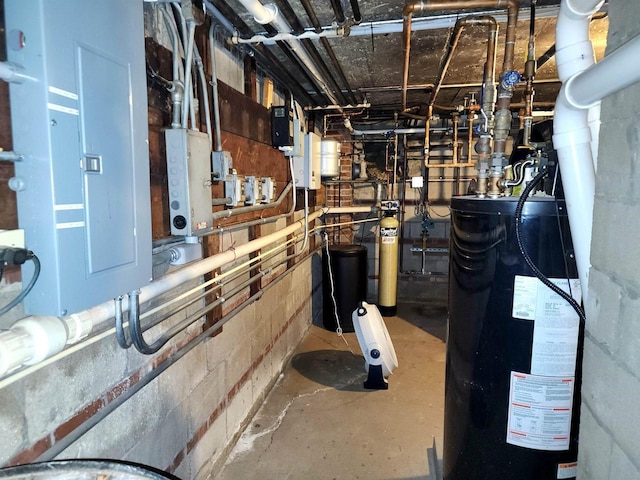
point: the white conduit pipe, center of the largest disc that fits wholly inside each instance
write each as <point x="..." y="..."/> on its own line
<point x="572" y="136"/>
<point x="205" y="93"/>
<point x="188" y="106"/>
<point x="34" y="339"/>
<point x="214" y="88"/>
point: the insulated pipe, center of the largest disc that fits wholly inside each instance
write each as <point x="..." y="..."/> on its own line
<point x="28" y="339"/>
<point x="572" y="137"/>
<point x="431" y="5"/>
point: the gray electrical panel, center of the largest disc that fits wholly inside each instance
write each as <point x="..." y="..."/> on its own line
<point x="189" y="176"/>
<point x="80" y="120"/>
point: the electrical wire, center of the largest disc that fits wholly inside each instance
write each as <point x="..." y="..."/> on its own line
<point x="332" y="289"/>
<point x="517" y="218"/>
<point x="25" y="291"/>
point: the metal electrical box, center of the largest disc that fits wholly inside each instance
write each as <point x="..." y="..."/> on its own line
<point x="80" y="121"/>
<point x="189" y="176"/>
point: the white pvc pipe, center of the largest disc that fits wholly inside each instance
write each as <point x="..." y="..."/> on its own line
<point x="572" y="141"/>
<point x="572" y="136"/>
<point x="617" y="71"/>
<point x="262" y="14"/>
<point x="34" y="339"/>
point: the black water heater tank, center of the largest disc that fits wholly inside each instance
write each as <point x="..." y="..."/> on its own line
<point x="512" y="389"/>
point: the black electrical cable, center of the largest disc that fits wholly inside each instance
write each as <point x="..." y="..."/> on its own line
<point x="518" y="228"/>
<point x="25" y="291"/>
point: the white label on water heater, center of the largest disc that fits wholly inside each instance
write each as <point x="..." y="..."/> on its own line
<point x="540" y="411"/>
<point x="567" y="470"/>
<point x="556" y="327"/>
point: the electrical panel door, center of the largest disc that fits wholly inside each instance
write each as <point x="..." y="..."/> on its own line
<point x="80" y="120"/>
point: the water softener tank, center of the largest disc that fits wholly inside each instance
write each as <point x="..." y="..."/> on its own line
<point x="512" y="393"/>
<point x="346" y="282"/>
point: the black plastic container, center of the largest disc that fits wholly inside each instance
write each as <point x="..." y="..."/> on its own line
<point x="349" y="268"/>
<point x="486" y="343"/>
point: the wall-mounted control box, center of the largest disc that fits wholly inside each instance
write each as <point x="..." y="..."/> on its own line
<point x="307" y="167"/>
<point x="80" y="122"/>
<point x="281" y="127"/>
<point x="189" y="177"/>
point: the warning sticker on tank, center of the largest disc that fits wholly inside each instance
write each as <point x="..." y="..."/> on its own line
<point x="388" y="234"/>
<point x="556" y="327"/>
<point x="567" y="470"/>
<point x="540" y="411"/>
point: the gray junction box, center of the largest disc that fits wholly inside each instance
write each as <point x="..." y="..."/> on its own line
<point x="80" y="121"/>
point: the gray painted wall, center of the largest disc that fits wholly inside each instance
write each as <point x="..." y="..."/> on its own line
<point x="609" y="435"/>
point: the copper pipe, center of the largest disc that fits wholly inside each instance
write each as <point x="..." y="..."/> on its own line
<point x="490" y="64"/>
<point x="426" y="5"/>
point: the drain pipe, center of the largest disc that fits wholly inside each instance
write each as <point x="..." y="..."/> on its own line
<point x="34" y="339"/>
<point x="584" y="85"/>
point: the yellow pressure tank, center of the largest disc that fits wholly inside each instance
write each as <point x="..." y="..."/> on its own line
<point x="388" y="267"/>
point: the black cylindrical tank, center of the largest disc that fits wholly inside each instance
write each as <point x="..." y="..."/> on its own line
<point x="349" y="271"/>
<point x="511" y="409"/>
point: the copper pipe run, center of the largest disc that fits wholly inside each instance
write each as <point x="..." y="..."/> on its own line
<point x="427" y="5"/>
<point x="490" y="64"/>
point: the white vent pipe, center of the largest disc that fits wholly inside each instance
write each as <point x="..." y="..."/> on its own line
<point x="34" y="339"/>
<point x="585" y="84"/>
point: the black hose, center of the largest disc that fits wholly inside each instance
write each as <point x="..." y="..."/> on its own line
<point x="518" y="228"/>
<point x="36" y="262"/>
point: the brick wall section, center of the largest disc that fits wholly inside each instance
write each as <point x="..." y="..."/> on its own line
<point x="342" y="196"/>
<point x="609" y="434"/>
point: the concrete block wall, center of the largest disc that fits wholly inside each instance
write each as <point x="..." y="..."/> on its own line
<point x="609" y="434"/>
<point x="182" y="421"/>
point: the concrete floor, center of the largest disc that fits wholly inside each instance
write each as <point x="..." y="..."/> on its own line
<point x="319" y="422"/>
